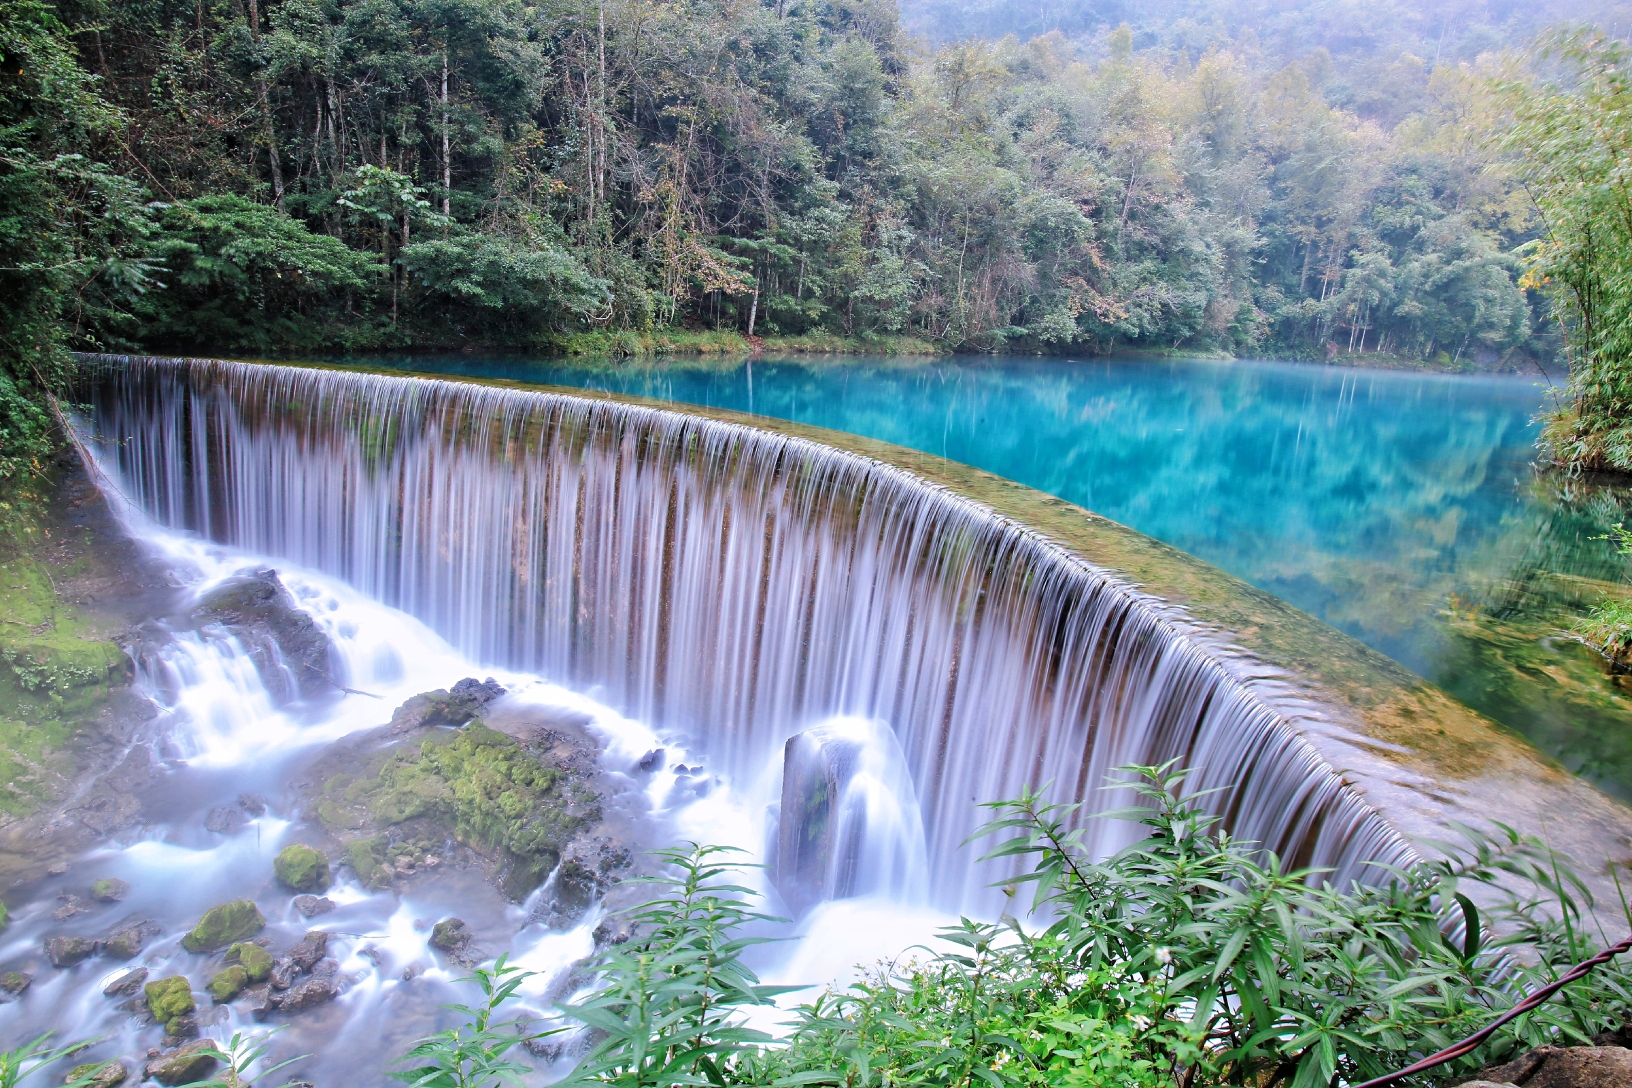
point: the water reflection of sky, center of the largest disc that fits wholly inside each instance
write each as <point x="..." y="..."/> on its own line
<point x="1367" y="498"/>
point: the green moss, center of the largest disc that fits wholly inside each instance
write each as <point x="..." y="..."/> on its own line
<point x="54" y="675"/>
<point x="480" y="784"/>
<point x="109" y="1074"/>
<point x="224" y="925"/>
<point x="168" y="998"/>
<point x="302" y="868"/>
<point x="255" y="960"/>
<point x="228" y="984"/>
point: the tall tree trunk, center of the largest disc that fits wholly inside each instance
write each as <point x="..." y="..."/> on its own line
<point x="266" y="105"/>
<point x="447" y="165"/>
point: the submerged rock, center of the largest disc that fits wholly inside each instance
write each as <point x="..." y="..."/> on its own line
<point x="255" y="960"/>
<point x="289" y="650"/>
<point x="125" y="940"/>
<point x="312" y="905"/>
<point x="223" y="925"/>
<point x="189" y="1063"/>
<point x="110" y="890"/>
<point x="109" y="1074"/>
<point x="127" y="984"/>
<point x="225" y="819"/>
<point x="302" y="868"/>
<point x="169" y="999"/>
<point x="68" y="951"/>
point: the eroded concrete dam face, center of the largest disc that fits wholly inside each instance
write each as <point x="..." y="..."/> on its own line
<point x="744" y="582"/>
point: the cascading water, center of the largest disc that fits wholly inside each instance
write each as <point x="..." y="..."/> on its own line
<point x="732" y="585"/>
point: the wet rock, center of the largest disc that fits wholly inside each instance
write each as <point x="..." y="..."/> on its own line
<point x="412" y="971"/>
<point x="588" y="869"/>
<point x="443" y="707"/>
<point x="312" y="948"/>
<point x="328" y="967"/>
<point x="225" y="819"/>
<point x="169" y="999"/>
<point x="257" y="1000"/>
<point x="1566" y="1067"/>
<point x="71" y="905"/>
<point x="15" y="982"/>
<point x="181" y="1027"/>
<point x="309" y="993"/>
<point x="126" y="984"/>
<point x="227" y="984"/>
<point x="67" y="951"/>
<point x="223" y="925"/>
<point x="253" y="804"/>
<point x="110" y="890"/>
<point x="283" y="973"/>
<point x="255" y="960"/>
<point x="58" y="869"/>
<point x="289" y="650"/>
<point x="111" y="803"/>
<point x="312" y="905"/>
<point x="125" y="940"/>
<point x="651" y="761"/>
<point x="108" y="1074"/>
<point x="302" y="868"/>
<point x="450" y="935"/>
<point x="189" y="1063"/>
<point x="614" y="930"/>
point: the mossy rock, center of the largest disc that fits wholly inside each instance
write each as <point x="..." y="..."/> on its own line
<point x="302" y="868"/>
<point x="224" y="925"/>
<point x="5" y="916"/>
<point x="168" y="998"/>
<point x="110" y="890"/>
<point x="15" y="982"/>
<point x="255" y="960"/>
<point x="228" y="984"/>
<point x="485" y="787"/>
<point x="108" y="1074"/>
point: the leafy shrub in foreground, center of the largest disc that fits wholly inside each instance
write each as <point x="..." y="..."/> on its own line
<point x="1187" y="959"/>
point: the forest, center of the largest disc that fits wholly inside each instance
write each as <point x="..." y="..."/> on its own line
<point x="274" y="177"/>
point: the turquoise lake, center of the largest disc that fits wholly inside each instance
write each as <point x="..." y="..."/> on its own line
<point x="1401" y="508"/>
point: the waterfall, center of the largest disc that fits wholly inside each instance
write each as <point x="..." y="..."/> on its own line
<point x="730" y="585"/>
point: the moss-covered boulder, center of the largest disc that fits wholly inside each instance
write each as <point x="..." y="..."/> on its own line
<point x="15" y="982"/>
<point x="515" y="802"/>
<point x="302" y="868"/>
<point x="109" y="1074"/>
<point x="169" y="999"/>
<point x="255" y="960"/>
<point x="224" y="925"/>
<point x="227" y="983"/>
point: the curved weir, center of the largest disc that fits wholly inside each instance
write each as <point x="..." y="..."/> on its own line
<point x="731" y="584"/>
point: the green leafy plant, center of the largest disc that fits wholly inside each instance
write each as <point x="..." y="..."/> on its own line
<point x="472" y="1055"/>
<point x="669" y="1007"/>
<point x="237" y="1056"/>
<point x="24" y="1061"/>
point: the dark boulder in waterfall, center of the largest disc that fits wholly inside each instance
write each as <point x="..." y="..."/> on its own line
<point x="465" y="702"/>
<point x="848" y="823"/>
<point x="289" y="649"/>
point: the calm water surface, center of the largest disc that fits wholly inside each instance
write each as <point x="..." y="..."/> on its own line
<point x="1401" y="508"/>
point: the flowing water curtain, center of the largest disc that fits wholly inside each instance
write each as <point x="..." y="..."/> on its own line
<point x="736" y="585"/>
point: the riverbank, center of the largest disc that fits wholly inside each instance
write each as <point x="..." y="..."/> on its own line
<point x="73" y="587"/>
<point x="729" y="343"/>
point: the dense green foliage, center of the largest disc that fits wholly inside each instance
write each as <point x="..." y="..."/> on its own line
<point x="374" y="172"/>
<point x="1188" y="958"/>
<point x="1571" y="136"/>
